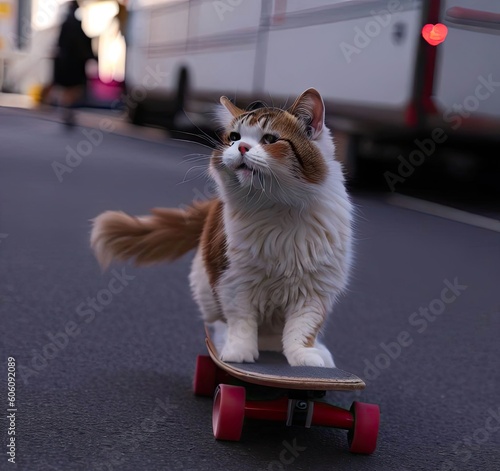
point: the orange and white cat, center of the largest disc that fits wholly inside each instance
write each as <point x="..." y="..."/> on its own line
<point x="273" y="250"/>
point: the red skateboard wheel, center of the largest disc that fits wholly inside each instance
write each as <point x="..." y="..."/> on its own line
<point x="362" y="437"/>
<point x="204" y="381"/>
<point x="228" y="412"/>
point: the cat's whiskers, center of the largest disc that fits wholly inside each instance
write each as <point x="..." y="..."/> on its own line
<point x="205" y="171"/>
<point x="273" y="174"/>
<point x="251" y="184"/>
<point x="286" y="102"/>
<point x="210" y="138"/>
<point x="194" y="158"/>
<point x="260" y="167"/>
<point x="203" y="160"/>
<point x="272" y="101"/>
<point x="255" y="193"/>
<point x="196" y="153"/>
<point x="213" y="142"/>
<point x="257" y="207"/>
<point x="263" y="182"/>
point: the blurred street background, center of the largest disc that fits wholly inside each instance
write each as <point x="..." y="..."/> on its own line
<point x="104" y="380"/>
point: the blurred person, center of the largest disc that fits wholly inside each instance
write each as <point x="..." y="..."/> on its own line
<point x="73" y="51"/>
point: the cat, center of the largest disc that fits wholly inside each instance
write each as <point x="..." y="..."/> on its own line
<point x="273" y="250"/>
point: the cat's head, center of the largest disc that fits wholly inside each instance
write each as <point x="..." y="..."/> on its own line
<point x="283" y="155"/>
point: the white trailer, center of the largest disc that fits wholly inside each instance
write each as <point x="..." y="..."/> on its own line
<point x="379" y="77"/>
<point x="12" y="32"/>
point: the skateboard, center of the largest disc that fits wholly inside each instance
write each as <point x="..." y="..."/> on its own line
<point x="271" y="389"/>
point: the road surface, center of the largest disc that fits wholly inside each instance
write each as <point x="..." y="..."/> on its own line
<point x="104" y="361"/>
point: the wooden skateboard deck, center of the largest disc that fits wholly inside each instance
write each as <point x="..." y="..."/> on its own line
<point x="272" y="369"/>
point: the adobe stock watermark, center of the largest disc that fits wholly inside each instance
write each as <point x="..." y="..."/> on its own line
<point x="113" y="457"/>
<point x="225" y="6"/>
<point x="86" y="312"/>
<point x="419" y="321"/>
<point x="139" y="92"/>
<point x="94" y="137"/>
<point x="455" y="115"/>
<point x="208" y="192"/>
<point x="46" y="11"/>
<point x="465" y="448"/>
<point x="288" y="454"/>
<point x="74" y="156"/>
<point x="363" y="37"/>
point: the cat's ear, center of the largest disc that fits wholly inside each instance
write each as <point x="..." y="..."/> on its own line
<point x="228" y="111"/>
<point x="230" y="106"/>
<point x="310" y="108"/>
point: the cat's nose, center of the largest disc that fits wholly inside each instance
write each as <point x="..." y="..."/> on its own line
<point x="243" y="148"/>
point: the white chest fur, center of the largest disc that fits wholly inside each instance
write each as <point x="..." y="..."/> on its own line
<point x="284" y="256"/>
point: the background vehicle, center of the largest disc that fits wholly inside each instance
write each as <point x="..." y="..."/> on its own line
<point x="15" y="29"/>
<point x="382" y="82"/>
<point x="28" y="38"/>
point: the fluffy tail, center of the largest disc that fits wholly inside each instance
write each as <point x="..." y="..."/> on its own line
<point x="164" y="236"/>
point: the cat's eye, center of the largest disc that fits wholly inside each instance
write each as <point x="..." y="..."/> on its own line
<point x="234" y="136"/>
<point x="269" y="139"/>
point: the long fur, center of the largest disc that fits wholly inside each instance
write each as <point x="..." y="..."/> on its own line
<point x="164" y="236"/>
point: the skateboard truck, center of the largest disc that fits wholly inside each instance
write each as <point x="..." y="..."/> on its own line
<point x="301" y="407"/>
<point x="300" y="412"/>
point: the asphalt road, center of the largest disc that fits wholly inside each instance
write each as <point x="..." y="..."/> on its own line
<point x="104" y="380"/>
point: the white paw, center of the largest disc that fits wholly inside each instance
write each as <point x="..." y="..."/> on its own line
<point x="308" y="357"/>
<point x="329" y="363"/>
<point x="326" y="355"/>
<point x="239" y="354"/>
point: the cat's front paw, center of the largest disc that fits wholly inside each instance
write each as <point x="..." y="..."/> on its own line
<point x="239" y="354"/>
<point x="307" y="356"/>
